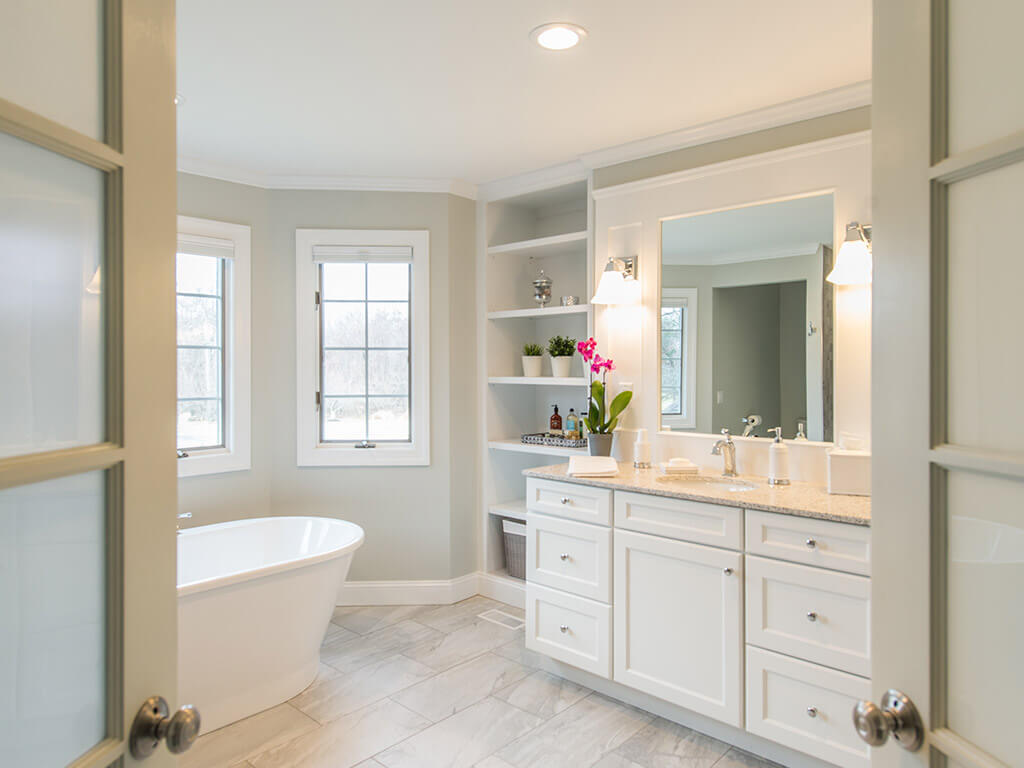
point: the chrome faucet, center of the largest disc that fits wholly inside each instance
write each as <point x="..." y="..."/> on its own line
<point x="726" y="448"/>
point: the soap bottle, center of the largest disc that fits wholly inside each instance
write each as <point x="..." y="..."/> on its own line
<point x="556" y="423"/>
<point x="572" y="425"/>
<point x="801" y="430"/>
<point x="778" y="460"/>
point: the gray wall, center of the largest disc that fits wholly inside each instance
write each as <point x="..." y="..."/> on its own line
<point x="420" y="522"/>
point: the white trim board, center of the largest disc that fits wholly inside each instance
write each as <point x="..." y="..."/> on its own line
<point x="436" y="592"/>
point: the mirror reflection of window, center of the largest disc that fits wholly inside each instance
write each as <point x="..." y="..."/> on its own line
<point x="678" y="350"/>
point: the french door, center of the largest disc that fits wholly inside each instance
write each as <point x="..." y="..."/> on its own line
<point x="87" y="377"/>
<point x="948" y="379"/>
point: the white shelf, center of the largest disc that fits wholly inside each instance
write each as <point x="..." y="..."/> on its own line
<point x="540" y="381"/>
<point x="555" y="245"/>
<point x="515" y="509"/>
<point x="535" y="312"/>
<point x="517" y="446"/>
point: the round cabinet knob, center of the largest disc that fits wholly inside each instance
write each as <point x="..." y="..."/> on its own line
<point x="564" y="556"/>
<point x="812" y="616"/>
<point x="727" y="571"/>
<point x="897" y="716"/>
<point x="811" y="543"/>
<point x="565" y="499"/>
<point x="152" y="724"/>
<point x="812" y="711"/>
<point x="563" y="628"/>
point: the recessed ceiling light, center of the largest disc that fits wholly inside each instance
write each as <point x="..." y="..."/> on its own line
<point x="558" y="35"/>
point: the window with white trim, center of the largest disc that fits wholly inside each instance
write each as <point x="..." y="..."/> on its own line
<point x="678" y="358"/>
<point x="363" y="323"/>
<point x="212" y="284"/>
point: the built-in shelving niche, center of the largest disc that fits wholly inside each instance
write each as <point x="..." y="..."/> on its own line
<point x="549" y="229"/>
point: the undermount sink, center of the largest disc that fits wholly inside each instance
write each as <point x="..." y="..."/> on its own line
<point x="732" y="484"/>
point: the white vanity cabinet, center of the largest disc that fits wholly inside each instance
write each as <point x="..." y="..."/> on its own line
<point x="757" y="619"/>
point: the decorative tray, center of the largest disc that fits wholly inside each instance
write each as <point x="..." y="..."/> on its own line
<point x="542" y="438"/>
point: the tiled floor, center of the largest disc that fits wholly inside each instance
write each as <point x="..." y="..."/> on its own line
<point x="439" y="687"/>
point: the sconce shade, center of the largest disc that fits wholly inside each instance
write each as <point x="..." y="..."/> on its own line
<point x="611" y="289"/>
<point x="853" y="262"/>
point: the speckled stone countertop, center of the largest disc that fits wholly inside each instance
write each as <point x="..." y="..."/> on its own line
<point x="801" y="499"/>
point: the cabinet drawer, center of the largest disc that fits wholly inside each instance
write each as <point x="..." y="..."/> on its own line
<point x="569" y="628"/>
<point x="564" y="554"/>
<point x="576" y="502"/>
<point x="840" y="546"/>
<point x="818" y="615"/>
<point x="784" y="693"/>
<point x="680" y="519"/>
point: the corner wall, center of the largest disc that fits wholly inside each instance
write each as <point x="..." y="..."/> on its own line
<point x="419" y="521"/>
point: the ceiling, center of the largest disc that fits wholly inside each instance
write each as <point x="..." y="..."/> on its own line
<point x="773" y="230"/>
<point x="455" y="89"/>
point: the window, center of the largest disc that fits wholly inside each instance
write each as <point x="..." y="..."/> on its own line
<point x="363" y="369"/>
<point x="212" y="286"/>
<point x="678" y="358"/>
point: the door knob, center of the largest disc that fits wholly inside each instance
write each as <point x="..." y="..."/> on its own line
<point x="152" y="724"/>
<point x="897" y="716"/>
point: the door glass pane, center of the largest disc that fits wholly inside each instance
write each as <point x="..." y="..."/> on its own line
<point x="51" y="60"/>
<point x="986" y="315"/>
<point x="985" y="616"/>
<point x="985" y="71"/>
<point x="52" y="634"/>
<point x="51" y="308"/>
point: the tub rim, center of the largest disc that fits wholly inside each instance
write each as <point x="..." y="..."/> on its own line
<point x="204" y="585"/>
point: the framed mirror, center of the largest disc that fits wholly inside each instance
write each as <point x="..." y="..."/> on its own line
<point x="746" y="321"/>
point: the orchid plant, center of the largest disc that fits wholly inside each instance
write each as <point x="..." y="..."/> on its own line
<point x="601" y="421"/>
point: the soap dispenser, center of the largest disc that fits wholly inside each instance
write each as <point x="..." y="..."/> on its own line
<point x="778" y="460"/>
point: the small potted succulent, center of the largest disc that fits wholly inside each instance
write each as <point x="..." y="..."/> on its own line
<point x="601" y="421"/>
<point x="561" y="349"/>
<point x="533" y="354"/>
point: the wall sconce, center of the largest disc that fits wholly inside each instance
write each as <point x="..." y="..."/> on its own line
<point x="618" y="282"/>
<point x="853" y="262"/>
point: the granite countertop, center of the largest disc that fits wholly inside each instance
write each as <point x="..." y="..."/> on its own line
<point x="800" y="499"/>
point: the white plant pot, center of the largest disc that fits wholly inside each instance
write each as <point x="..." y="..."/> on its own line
<point x="560" y="367"/>
<point x="531" y="366"/>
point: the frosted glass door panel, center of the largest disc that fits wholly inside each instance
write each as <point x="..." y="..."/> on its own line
<point x="51" y="309"/>
<point x="52" y="634"/>
<point x="51" y="60"/>
<point x="984" y="51"/>
<point x="986" y="314"/>
<point x="985" y="613"/>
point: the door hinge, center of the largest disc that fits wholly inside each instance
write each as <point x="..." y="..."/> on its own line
<point x="316" y="299"/>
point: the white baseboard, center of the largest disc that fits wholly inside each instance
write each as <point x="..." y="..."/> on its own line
<point x="502" y="590"/>
<point x="441" y="592"/>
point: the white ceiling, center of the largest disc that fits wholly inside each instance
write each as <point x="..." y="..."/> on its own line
<point x="446" y="89"/>
<point x="773" y="230"/>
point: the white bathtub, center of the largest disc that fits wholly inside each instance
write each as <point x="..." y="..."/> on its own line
<point x="254" y="600"/>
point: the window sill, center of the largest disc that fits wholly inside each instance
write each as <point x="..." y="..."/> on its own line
<point x="347" y="455"/>
<point x="678" y="422"/>
<point x="212" y="462"/>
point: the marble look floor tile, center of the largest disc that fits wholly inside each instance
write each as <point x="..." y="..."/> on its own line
<point x="459" y="687"/>
<point x="663" y="744"/>
<point x="579" y="736"/>
<point x="615" y="760"/>
<point x="350" y="655"/>
<point x="737" y="758"/>
<point x="347" y="741"/>
<point x="363" y="619"/>
<point x="517" y="651"/>
<point x="448" y="618"/>
<point x="371" y="763"/>
<point x="337" y="633"/>
<point x="542" y="694"/>
<point x="332" y="697"/>
<point x="444" y="651"/>
<point x="463" y="739"/>
<point x="240" y="741"/>
<point x="493" y="762"/>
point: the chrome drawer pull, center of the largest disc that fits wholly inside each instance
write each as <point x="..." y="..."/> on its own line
<point x="811" y="543"/>
<point x="563" y="628"/>
<point x="812" y="712"/>
<point x="564" y="556"/>
<point x="565" y="499"/>
<point x="812" y="616"/>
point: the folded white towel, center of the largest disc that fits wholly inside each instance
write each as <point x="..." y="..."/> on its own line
<point x="593" y="466"/>
<point x="668" y="468"/>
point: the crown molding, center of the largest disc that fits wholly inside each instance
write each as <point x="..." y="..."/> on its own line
<point x="834" y="144"/>
<point x="533" y="181"/>
<point x="340" y="183"/>
<point x="806" y="108"/>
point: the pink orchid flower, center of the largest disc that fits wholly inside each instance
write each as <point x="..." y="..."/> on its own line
<point x="587" y="349"/>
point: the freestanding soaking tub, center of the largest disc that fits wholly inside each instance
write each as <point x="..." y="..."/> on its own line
<point x="254" y="600"/>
